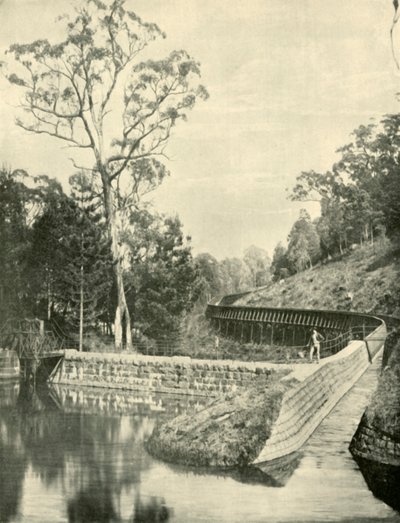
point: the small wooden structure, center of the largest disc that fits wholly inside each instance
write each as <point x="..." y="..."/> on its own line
<point x="32" y="343"/>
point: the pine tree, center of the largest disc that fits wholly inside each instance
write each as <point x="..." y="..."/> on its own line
<point x="73" y="258"/>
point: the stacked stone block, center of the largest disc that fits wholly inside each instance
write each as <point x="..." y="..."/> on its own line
<point x="375" y="445"/>
<point x="309" y="400"/>
<point x="161" y="374"/>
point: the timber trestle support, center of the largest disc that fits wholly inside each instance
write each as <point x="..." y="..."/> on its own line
<point x="289" y="327"/>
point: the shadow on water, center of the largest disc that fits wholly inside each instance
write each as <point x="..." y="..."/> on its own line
<point x="383" y="480"/>
<point x="275" y="473"/>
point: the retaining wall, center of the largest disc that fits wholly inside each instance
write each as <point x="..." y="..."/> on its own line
<point x="373" y="444"/>
<point x="377" y="438"/>
<point x="309" y="401"/>
<point x="180" y="375"/>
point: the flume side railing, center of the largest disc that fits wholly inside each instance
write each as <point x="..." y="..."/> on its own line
<point x="291" y="328"/>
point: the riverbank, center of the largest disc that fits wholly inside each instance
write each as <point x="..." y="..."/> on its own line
<point x="378" y="436"/>
<point x="229" y="432"/>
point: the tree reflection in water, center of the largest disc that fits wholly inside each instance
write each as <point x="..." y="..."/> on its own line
<point x="94" y="458"/>
<point x="79" y="444"/>
<point x="13" y="461"/>
<point x="94" y="505"/>
<point x="154" y="510"/>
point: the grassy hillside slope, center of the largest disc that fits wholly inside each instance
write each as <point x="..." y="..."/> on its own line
<point x="365" y="280"/>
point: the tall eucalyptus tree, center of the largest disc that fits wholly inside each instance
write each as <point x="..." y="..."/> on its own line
<point x="71" y="87"/>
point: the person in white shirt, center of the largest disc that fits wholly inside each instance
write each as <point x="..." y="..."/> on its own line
<point x="315" y="340"/>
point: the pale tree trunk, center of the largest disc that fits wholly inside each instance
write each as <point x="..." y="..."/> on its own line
<point x="48" y="301"/>
<point x="366" y="232"/>
<point x="121" y="313"/>
<point x="81" y="312"/>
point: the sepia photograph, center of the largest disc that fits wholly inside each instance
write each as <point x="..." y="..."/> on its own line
<point x="199" y="261"/>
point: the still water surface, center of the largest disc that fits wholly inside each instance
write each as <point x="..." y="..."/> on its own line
<point x="77" y="455"/>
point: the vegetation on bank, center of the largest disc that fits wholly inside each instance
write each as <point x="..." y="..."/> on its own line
<point x="229" y="432"/>
<point x="364" y="280"/>
<point x="56" y="263"/>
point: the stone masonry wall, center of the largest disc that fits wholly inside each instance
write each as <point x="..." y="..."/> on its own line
<point x="162" y="374"/>
<point x="373" y="444"/>
<point x="307" y="403"/>
<point x="377" y="438"/>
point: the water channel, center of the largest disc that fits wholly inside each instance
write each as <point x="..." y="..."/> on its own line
<point x="77" y="455"/>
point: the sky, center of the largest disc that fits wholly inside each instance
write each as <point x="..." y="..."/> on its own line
<point x="288" y="81"/>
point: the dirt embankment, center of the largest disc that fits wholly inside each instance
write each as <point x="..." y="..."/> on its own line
<point x="229" y="432"/>
<point x="365" y="280"/>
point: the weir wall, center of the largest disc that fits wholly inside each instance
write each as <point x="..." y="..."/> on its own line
<point x="314" y="395"/>
<point x="314" y="391"/>
<point x="180" y="375"/>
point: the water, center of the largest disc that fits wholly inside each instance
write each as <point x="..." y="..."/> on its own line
<point x="77" y="455"/>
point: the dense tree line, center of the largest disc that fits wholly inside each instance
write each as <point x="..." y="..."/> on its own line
<point x="232" y="275"/>
<point x="359" y="199"/>
<point x="56" y="261"/>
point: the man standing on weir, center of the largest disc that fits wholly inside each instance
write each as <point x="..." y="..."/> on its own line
<point x="315" y="340"/>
